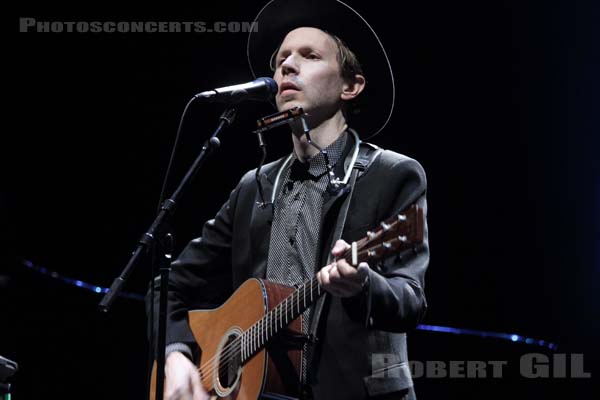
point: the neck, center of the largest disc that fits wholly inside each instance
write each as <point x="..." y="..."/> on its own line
<point x="322" y="134"/>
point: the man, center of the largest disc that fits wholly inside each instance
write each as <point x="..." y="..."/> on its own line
<point x="361" y="349"/>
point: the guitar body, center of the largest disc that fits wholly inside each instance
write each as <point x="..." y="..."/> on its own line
<point x="213" y="329"/>
<point x="251" y="345"/>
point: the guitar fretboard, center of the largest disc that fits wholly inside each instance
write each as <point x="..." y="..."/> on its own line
<point x="257" y="336"/>
<point x="399" y="232"/>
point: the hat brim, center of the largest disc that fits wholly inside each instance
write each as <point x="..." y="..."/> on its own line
<point x="375" y="105"/>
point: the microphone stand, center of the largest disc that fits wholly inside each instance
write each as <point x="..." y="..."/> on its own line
<point x="157" y="239"/>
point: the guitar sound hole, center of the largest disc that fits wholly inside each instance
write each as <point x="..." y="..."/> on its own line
<point x="229" y="363"/>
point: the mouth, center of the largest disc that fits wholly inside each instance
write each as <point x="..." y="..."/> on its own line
<point x="287" y="88"/>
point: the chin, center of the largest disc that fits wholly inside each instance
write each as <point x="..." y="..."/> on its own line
<point x="286" y="105"/>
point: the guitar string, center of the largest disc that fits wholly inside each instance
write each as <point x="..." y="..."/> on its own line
<point x="235" y="346"/>
<point x="261" y="328"/>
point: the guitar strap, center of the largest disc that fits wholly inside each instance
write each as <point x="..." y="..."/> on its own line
<point x="366" y="155"/>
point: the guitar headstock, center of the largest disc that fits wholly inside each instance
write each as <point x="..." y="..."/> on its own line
<point x="394" y="235"/>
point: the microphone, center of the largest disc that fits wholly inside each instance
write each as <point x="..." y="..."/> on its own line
<point x="261" y="89"/>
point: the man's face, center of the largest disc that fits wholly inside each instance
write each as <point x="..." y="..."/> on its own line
<point x="308" y="73"/>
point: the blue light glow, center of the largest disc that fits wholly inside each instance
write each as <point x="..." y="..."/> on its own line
<point x="76" y="282"/>
<point x="433" y="328"/>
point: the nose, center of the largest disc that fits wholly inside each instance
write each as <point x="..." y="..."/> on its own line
<point x="289" y="65"/>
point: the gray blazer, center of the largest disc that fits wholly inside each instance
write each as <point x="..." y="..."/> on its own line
<point x="361" y="348"/>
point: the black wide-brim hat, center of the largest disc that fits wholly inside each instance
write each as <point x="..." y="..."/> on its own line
<point x="375" y="104"/>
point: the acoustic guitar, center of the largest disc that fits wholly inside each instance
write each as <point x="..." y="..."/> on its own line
<point x="242" y="340"/>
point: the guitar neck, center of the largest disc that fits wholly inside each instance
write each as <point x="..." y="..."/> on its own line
<point x="398" y="233"/>
<point x="277" y="319"/>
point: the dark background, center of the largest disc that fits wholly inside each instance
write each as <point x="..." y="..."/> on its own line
<point x="497" y="100"/>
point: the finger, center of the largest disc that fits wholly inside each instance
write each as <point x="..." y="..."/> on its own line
<point x="322" y="273"/>
<point x="339" y="248"/>
<point x="323" y="276"/>
<point x="179" y="394"/>
<point x="198" y="391"/>
<point x="341" y="245"/>
<point x="327" y="268"/>
<point x="334" y="274"/>
<point x="338" y="281"/>
<point x="355" y="275"/>
<point x="346" y="270"/>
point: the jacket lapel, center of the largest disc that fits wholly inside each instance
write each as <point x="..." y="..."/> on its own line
<point x="329" y="200"/>
<point x="260" y="223"/>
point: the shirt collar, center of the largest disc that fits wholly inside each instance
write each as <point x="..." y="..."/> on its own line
<point x="316" y="164"/>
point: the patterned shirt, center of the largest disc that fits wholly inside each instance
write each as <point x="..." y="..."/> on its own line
<point x="296" y="229"/>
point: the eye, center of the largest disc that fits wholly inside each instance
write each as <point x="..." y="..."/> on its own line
<point x="313" y="56"/>
<point x="281" y="57"/>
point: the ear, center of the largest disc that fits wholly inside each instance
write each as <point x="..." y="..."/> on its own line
<point x="353" y="89"/>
